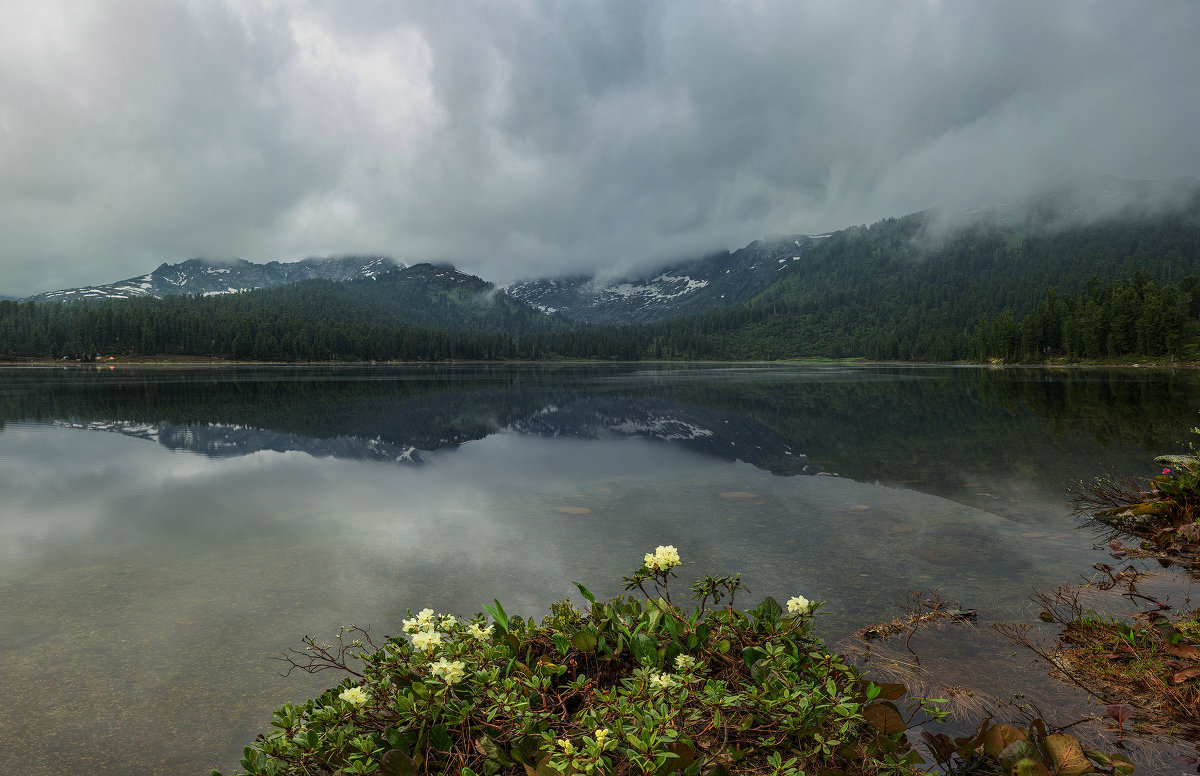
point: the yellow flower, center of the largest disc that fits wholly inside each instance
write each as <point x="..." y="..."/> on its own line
<point x="422" y="622"/>
<point x="427" y="640"/>
<point x="449" y="671"/>
<point x="566" y="745"/>
<point x="354" y="696"/>
<point x="664" y="557"/>
<point x="797" y="604"/>
<point x="601" y="734"/>
<point x="483" y="634"/>
<point x="684" y="662"/>
<point x="661" y="681"/>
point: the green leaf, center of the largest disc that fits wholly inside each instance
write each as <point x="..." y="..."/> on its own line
<point x="1121" y="763"/>
<point x="1015" y="752"/>
<point x="439" y="738"/>
<point x="1029" y="767"/>
<point x="498" y="614"/>
<point x="591" y="599"/>
<point x="679" y="757"/>
<point x="752" y="655"/>
<point x="561" y="642"/>
<point x="584" y="640"/>
<point x="999" y="737"/>
<point x="491" y="750"/>
<point x="544" y="769"/>
<point x="397" y="763"/>
<point x="644" y="648"/>
<point x="1068" y="756"/>
<point x="768" y="610"/>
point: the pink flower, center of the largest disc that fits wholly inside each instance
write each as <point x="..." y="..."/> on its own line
<point x="1166" y="471"/>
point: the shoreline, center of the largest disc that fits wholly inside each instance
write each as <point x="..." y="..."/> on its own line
<point x="851" y="361"/>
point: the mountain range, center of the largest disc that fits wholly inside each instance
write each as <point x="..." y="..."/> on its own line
<point x="1113" y="270"/>
<point x="205" y="277"/>
<point x="692" y="286"/>
<point x="707" y="283"/>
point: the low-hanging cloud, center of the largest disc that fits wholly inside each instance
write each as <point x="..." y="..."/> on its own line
<point x="541" y="138"/>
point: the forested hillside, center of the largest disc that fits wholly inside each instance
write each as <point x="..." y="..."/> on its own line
<point x="418" y="313"/>
<point x="891" y="291"/>
<point x="1008" y="285"/>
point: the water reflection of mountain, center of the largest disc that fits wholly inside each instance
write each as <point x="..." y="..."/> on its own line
<point x="714" y="433"/>
<point x="717" y="434"/>
<point x="936" y="429"/>
<point x="218" y="441"/>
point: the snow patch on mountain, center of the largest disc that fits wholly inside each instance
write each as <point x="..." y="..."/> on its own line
<point x="208" y="278"/>
<point x="694" y="286"/>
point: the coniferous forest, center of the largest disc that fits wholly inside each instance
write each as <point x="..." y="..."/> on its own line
<point x="990" y="291"/>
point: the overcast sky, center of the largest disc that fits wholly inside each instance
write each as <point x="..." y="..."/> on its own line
<point x="539" y="138"/>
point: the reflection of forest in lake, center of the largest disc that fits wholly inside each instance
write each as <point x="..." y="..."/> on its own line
<point x="147" y="574"/>
<point x="937" y="429"/>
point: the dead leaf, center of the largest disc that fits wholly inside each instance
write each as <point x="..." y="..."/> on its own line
<point x="1184" y="650"/>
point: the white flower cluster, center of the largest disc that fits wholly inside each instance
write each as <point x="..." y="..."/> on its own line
<point x="426" y="628"/>
<point x="427" y="620"/>
<point x="482" y="634"/>
<point x="798" y="604"/>
<point x="661" y="681"/>
<point x="354" y="696"/>
<point x="449" y="671"/>
<point x="423" y="621"/>
<point x="427" y="640"/>
<point x="664" y="557"/>
<point x="684" y="662"/>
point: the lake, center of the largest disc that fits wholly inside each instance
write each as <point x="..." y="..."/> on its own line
<point x="165" y="531"/>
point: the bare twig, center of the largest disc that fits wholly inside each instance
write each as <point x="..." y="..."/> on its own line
<point x="318" y="656"/>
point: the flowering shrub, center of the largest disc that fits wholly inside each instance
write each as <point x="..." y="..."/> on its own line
<point x="634" y="685"/>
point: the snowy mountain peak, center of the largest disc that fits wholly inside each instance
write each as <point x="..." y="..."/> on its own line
<point x="205" y="277"/>
<point x="694" y="286"/>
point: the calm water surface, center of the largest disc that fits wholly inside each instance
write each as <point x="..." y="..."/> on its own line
<point x="164" y="532"/>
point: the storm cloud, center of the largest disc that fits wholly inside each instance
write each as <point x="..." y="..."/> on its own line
<point x="541" y="138"/>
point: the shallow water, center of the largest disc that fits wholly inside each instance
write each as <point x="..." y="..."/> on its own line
<point x="164" y="532"/>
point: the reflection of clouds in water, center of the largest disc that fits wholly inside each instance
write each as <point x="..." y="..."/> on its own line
<point x="479" y="512"/>
<point x="143" y="561"/>
<point x="60" y="486"/>
<point x="488" y="514"/>
<point x="503" y="513"/>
